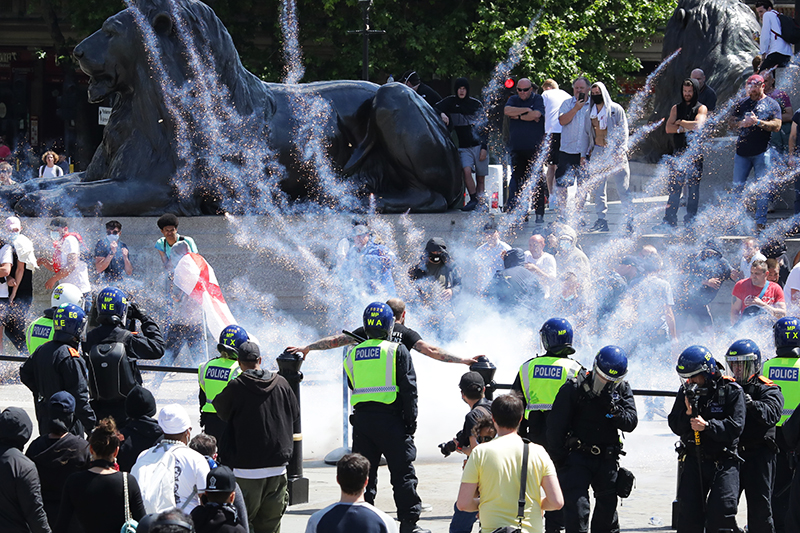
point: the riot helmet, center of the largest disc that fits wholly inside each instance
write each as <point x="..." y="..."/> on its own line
<point x="68" y="323"/>
<point x="231" y="339"/>
<point x="744" y="360"/>
<point x="112" y="306"/>
<point x="378" y="321"/>
<point x="787" y="335"/>
<point x="696" y="360"/>
<point x="66" y="293"/>
<point x="610" y="368"/>
<point x="556" y="335"/>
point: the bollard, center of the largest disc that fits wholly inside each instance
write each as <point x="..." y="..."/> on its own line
<point x="486" y="369"/>
<point x="289" y="367"/>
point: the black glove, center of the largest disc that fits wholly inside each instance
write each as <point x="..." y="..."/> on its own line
<point x="411" y="427"/>
<point x="135" y="312"/>
<point x="747" y="399"/>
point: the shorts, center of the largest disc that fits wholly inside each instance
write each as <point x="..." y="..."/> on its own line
<point x="569" y="167"/>
<point x="554" y="149"/>
<point x="470" y="157"/>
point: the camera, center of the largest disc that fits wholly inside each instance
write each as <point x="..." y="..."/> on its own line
<point x="447" y="447"/>
<point x="693" y="392"/>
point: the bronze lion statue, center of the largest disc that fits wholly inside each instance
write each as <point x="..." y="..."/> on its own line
<point x="192" y="131"/>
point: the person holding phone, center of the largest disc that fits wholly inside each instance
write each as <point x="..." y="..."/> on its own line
<point x="572" y="154"/>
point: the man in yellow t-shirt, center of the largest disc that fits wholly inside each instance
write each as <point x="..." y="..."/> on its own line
<point x="490" y="483"/>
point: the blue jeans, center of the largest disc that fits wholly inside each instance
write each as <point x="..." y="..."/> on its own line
<point x="462" y="521"/>
<point x="760" y="165"/>
<point x="683" y="173"/>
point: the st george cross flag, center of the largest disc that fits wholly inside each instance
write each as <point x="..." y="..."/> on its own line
<point x="195" y="277"/>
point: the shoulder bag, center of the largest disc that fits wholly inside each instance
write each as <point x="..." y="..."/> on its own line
<point x="521" y="502"/>
<point x="130" y="524"/>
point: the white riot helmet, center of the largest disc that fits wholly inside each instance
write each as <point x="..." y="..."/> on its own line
<point x="66" y="293"/>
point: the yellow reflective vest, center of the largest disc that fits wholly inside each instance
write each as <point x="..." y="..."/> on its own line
<point x="372" y="369"/>
<point x="542" y="377"/>
<point x="784" y="371"/>
<point x="214" y="377"/>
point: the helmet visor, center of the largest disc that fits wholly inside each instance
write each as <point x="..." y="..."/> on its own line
<point x="742" y="367"/>
<point x="609" y="378"/>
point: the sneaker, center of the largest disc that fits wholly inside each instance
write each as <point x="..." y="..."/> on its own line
<point x="471" y="205"/>
<point x="599" y="225"/>
<point x="664" y="227"/>
<point x="539" y="219"/>
<point x="412" y="527"/>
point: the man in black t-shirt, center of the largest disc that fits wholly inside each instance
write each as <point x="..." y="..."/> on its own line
<point x="756" y="117"/>
<point x="401" y="334"/>
<point x="111" y="255"/>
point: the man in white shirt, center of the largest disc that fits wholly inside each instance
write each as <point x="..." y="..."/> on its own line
<point x="775" y="51"/>
<point x="542" y="264"/>
<point x="490" y="255"/>
<point x="750" y="253"/>
<point x="66" y="263"/>
<point x="553" y="98"/>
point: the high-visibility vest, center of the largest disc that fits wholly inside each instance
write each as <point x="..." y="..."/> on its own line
<point x="542" y="377"/>
<point x="39" y="332"/>
<point x="214" y="377"/>
<point x="372" y="369"/>
<point x="784" y="372"/>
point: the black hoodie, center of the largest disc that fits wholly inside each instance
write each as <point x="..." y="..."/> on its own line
<point x="21" y="509"/>
<point x="686" y="111"/>
<point x="464" y="114"/>
<point x="214" y="518"/>
<point x="516" y="285"/>
<point x="262" y="415"/>
<point x="142" y="431"/>
<point x="445" y="272"/>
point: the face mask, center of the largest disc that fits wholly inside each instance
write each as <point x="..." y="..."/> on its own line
<point x="55" y="235"/>
<point x="435" y="258"/>
<point x="565" y="245"/>
<point x="12" y="236"/>
<point x="112" y="238"/>
<point x="597" y="98"/>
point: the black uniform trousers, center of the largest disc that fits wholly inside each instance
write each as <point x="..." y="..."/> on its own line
<point x="783" y="490"/>
<point x="720" y="484"/>
<point x="212" y="425"/>
<point x="521" y="167"/>
<point x="378" y="433"/>
<point x="756" y="479"/>
<point x="580" y="471"/>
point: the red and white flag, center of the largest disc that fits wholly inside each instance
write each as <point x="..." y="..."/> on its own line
<point x="195" y="277"/>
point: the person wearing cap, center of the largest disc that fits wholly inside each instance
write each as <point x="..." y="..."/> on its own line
<point x="515" y="289"/>
<point x="20" y="284"/>
<point x="21" y="508"/>
<point x="214" y="376"/>
<point x="463" y="114"/>
<point x="142" y="430"/>
<point x="708" y="415"/>
<point x="489" y="255"/>
<point x="755" y="117"/>
<point x="400" y="334"/>
<point x="262" y="417"/>
<point x="216" y="514"/>
<point x="473" y="391"/>
<point x="437" y="265"/>
<point x="369" y="264"/>
<point x="58" y="454"/>
<point x="385" y="411"/>
<point x="191" y="468"/>
<point x="57" y="365"/>
<point x="411" y="79"/>
<point x="66" y="263"/>
<point x="351" y="513"/>
<point x="111" y="257"/>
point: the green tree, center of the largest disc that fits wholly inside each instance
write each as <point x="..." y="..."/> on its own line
<point x="443" y="38"/>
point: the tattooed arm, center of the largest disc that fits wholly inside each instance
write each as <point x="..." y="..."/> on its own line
<point x="328" y="343"/>
<point x="440" y="354"/>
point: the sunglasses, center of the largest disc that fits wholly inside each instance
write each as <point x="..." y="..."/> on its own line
<point x="112" y="232"/>
<point x="484" y="439"/>
<point x="524" y="90"/>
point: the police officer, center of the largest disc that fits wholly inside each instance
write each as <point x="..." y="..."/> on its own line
<point x="214" y="375"/>
<point x="708" y="415"/>
<point x="583" y="438"/>
<point x="384" y="399"/>
<point x="539" y="380"/>
<point x="763" y="407"/>
<point x="41" y="330"/>
<point x="112" y="350"/>
<point x="57" y="365"/>
<point x="783" y="369"/>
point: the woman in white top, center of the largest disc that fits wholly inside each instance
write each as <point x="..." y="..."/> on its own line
<point x="50" y="169"/>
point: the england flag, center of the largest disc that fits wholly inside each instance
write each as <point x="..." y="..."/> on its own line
<point x="195" y="277"/>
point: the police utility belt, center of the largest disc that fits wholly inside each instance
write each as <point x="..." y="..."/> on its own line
<point x="575" y="444"/>
<point x="714" y="456"/>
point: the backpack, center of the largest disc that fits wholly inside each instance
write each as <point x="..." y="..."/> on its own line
<point x="112" y="374"/>
<point x="155" y="472"/>
<point x="790" y="31"/>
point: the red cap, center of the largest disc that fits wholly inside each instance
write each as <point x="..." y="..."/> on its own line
<point x="755" y="78"/>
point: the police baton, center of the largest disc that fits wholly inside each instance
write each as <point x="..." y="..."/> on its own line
<point x="352" y="335"/>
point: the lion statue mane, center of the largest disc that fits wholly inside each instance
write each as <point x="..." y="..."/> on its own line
<point x="191" y="128"/>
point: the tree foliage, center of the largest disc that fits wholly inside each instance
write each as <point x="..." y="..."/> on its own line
<point x="437" y="38"/>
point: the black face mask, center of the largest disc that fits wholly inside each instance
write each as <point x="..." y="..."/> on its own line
<point x="597" y="98"/>
<point x="435" y="258"/>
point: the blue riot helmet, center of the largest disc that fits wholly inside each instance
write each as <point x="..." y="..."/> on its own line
<point x="378" y="321"/>
<point x="231" y="339"/>
<point x="744" y="360"/>
<point x="68" y="323"/>
<point x="696" y="360"/>
<point x="610" y="366"/>
<point x="112" y="306"/>
<point x="787" y="335"/>
<point x="556" y="336"/>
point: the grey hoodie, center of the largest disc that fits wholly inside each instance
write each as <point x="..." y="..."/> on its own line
<point x="617" y="137"/>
